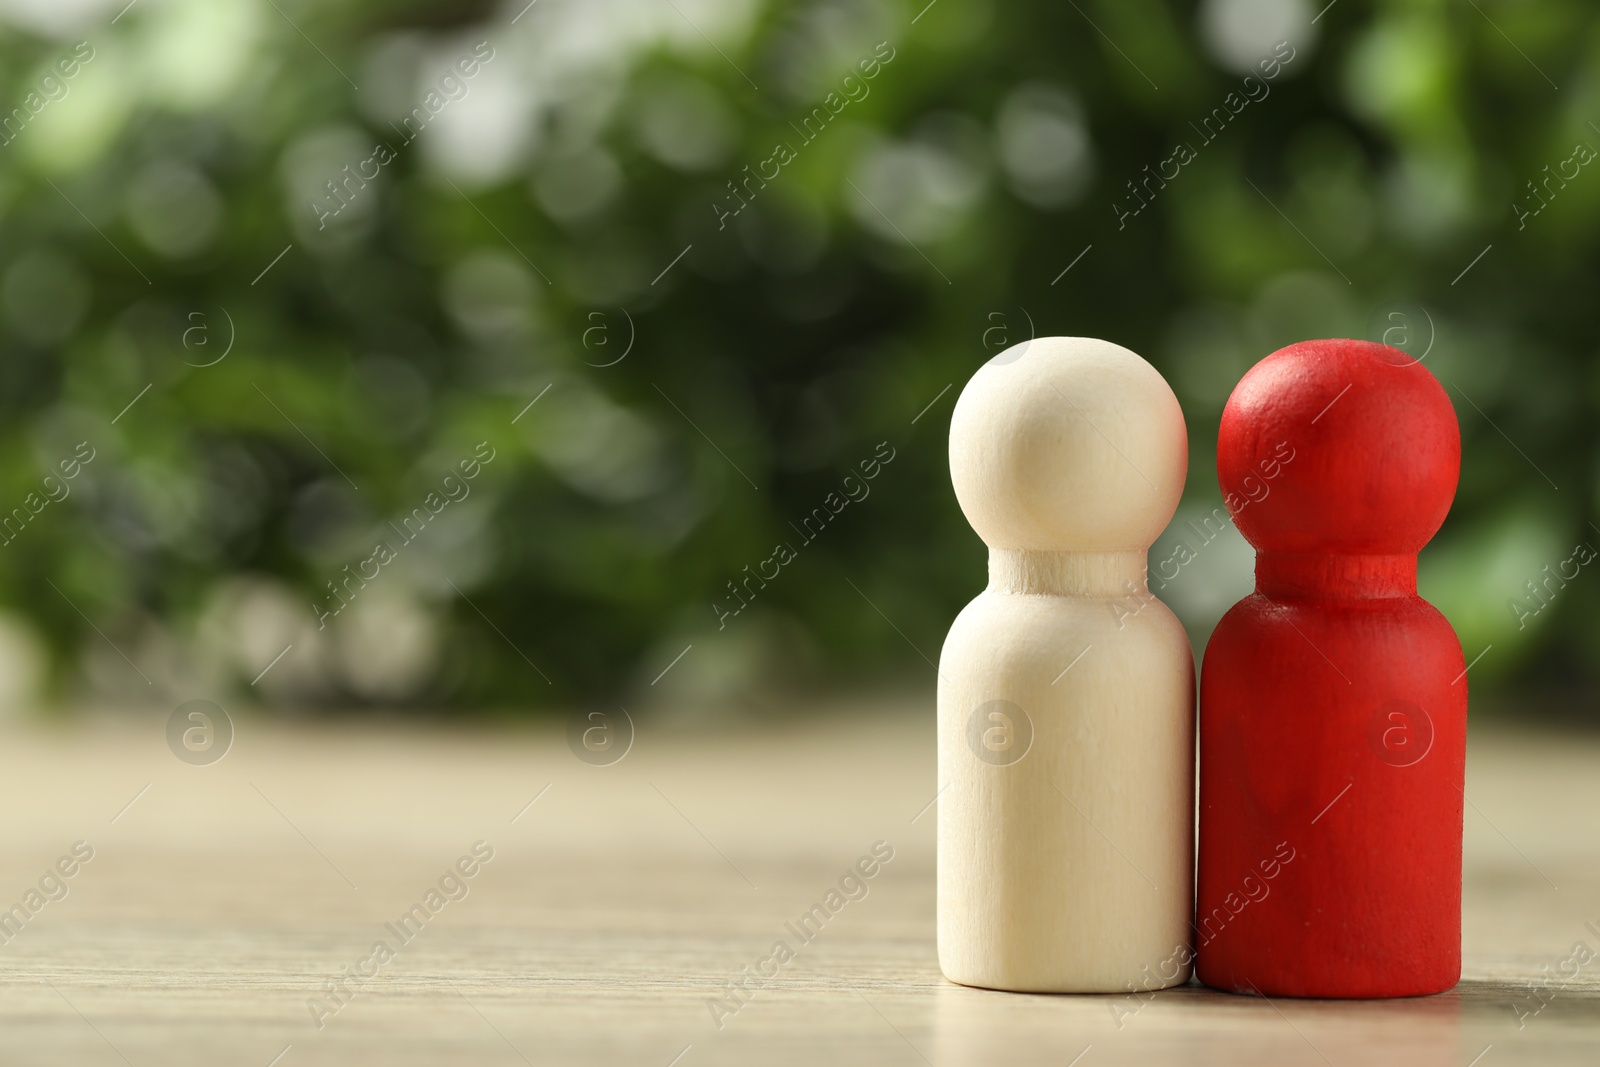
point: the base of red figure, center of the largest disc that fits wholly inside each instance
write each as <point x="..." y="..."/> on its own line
<point x="1332" y="757"/>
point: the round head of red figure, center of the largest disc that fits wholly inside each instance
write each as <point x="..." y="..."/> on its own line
<point x="1339" y="447"/>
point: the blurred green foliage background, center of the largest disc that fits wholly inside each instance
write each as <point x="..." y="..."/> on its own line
<point x="313" y="333"/>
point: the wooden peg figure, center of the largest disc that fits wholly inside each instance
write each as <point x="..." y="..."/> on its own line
<point x="1333" y="701"/>
<point x="1066" y="691"/>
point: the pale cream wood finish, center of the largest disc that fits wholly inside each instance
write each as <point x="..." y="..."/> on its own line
<point x="1066" y="691"/>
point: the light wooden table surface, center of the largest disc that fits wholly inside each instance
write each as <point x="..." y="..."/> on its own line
<point x="615" y="907"/>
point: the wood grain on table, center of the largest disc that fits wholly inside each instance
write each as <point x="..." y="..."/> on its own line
<point x="226" y="902"/>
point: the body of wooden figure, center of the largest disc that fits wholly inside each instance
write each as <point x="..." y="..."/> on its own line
<point x="1066" y="691"/>
<point x="1333" y="701"/>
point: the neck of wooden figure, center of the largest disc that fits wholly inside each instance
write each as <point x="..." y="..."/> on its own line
<point x="1066" y="573"/>
<point x="1311" y="575"/>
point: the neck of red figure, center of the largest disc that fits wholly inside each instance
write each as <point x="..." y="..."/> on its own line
<point x="1306" y="575"/>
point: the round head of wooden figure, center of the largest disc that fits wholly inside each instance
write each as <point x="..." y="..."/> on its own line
<point x="1072" y="445"/>
<point x="1338" y="449"/>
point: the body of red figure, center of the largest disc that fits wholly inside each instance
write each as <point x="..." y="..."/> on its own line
<point x="1333" y="700"/>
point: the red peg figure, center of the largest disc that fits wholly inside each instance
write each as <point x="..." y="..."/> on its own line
<point x="1333" y="700"/>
